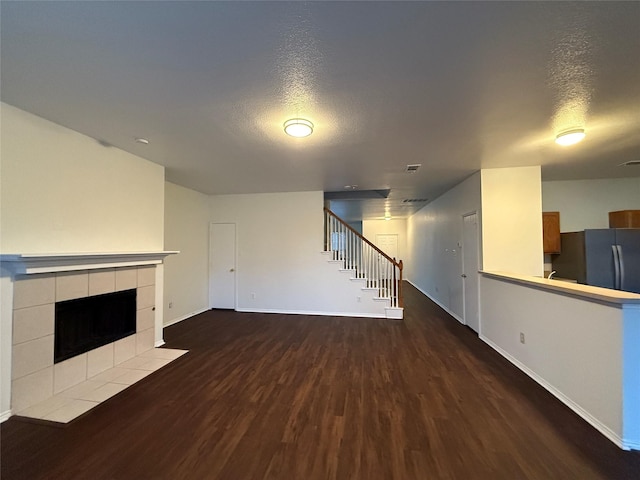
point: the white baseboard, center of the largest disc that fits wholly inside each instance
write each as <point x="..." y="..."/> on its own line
<point x="590" y="419"/>
<point x="306" y="312"/>
<point x="394" y="313"/>
<point x="159" y="343"/>
<point x="4" y="416"/>
<point x="582" y="413"/>
<point x="446" y="309"/>
<point x="184" y="317"/>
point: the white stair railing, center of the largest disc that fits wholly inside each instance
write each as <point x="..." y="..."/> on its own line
<point x="362" y="257"/>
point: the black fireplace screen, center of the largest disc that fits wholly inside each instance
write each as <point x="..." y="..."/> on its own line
<point x="87" y="323"/>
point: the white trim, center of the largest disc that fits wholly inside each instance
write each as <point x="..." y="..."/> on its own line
<point x="4" y="416"/>
<point x="394" y="313"/>
<point x="603" y="429"/>
<point x="184" y="317"/>
<point x="437" y="303"/>
<point x="158" y="344"/>
<point x="65" y="262"/>
<point x="305" y="312"/>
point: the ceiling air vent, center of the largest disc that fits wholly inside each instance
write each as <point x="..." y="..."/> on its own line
<point x="413" y="168"/>
<point x="630" y="163"/>
<point x="414" y="200"/>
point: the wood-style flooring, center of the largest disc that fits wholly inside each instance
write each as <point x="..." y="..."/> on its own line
<point x="302" y="398"/>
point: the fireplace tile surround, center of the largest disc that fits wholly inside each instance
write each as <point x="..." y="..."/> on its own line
<point x="34" y="375"/>
<point x="31" y="284"/>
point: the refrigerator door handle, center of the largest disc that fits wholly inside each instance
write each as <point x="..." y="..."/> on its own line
<point x="616" y="267"/>
<point x="621" y="262"/>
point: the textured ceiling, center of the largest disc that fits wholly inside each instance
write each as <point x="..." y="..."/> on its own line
<point x="455" y="86"/>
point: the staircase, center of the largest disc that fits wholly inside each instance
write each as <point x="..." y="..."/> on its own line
<point x="379" y="274"/>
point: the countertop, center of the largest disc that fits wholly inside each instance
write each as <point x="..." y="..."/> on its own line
<point x="589" y="292"/>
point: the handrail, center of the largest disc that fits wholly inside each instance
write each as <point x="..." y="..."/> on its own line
<point x="359" y="235"/>
<point x="380" y="271"/>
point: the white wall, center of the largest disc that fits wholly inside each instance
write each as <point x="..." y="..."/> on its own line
<point x="433" y="262"/>
<point x="572" y="347"/>
<point x="63" y="192"/>
<point x="186" y="276"/>
<point x="587" y="203"/>
<point x="512" y="220"/>
<point x="279" y="240"/>
<point x="395" y="226"/>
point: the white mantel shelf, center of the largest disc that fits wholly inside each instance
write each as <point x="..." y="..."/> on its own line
<point x="30" y="263"/>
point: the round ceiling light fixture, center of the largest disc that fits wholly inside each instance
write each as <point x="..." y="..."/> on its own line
<point x="570" y="137"/>
<point x="298" y="127"/>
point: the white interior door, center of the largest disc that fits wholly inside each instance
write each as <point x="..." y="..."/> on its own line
<point x="470" y="276"/>
<point x="222" y="265"/>
<point x="388" y="243"/>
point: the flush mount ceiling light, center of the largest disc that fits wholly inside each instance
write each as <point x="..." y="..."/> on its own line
<point x="298" y="127"/>
<point x="570" y="137"/>
<point x="143" y="141"/>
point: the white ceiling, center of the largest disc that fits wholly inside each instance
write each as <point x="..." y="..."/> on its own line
<point x="455" y="86"/>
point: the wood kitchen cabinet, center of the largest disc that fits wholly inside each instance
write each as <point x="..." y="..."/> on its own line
<point x="551" y="232"/>
<point x="624" y="219"/>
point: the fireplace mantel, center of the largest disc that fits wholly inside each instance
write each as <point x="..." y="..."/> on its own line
<point x="23" y="267"/>
<point x="31" y="263"/>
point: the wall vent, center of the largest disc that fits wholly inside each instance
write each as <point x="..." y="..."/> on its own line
<point x="413" y="168"/>
<point x="414" y="200"/>
<point x="630" y="163"/>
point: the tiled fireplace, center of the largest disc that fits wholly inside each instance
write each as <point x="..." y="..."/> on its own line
<point x="34" y="376"/>
<point x="34" y="285"/>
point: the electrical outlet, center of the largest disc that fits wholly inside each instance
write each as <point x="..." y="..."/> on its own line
<point x="253" y="296"/>
<point x="521" y="337"/>
<point x="170" y="304"/>
<point x="359" y="299"/>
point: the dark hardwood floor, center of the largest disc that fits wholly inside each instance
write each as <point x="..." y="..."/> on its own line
<point x="300" y="397"/>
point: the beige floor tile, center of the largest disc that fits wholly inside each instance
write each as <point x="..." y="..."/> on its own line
<point x="110" y="375"/>
<point x="104" y="392"/>
<point x="154" y="364"/>
<point x="166" y="353"/>
<point x="42" y="409"/>
<point x="71" y="410"/>
<point x="81" y="389"/>
<point x="132" y="376"/>
<point x="135" y="362"/>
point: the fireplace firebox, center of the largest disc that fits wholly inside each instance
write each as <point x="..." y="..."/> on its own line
<point x="86" y="323"/>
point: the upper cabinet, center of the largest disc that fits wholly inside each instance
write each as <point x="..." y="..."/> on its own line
<point x="551" y="232"/>
<point x="624" y="219"/>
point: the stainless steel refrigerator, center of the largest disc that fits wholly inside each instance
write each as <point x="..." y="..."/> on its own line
<point x="607" y="258"/>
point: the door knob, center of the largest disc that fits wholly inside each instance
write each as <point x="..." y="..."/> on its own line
<point x="232" y="270"/>
<point x="463" y="276"/>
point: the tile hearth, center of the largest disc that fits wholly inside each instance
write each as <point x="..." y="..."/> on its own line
<point x="79" y="399"/>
